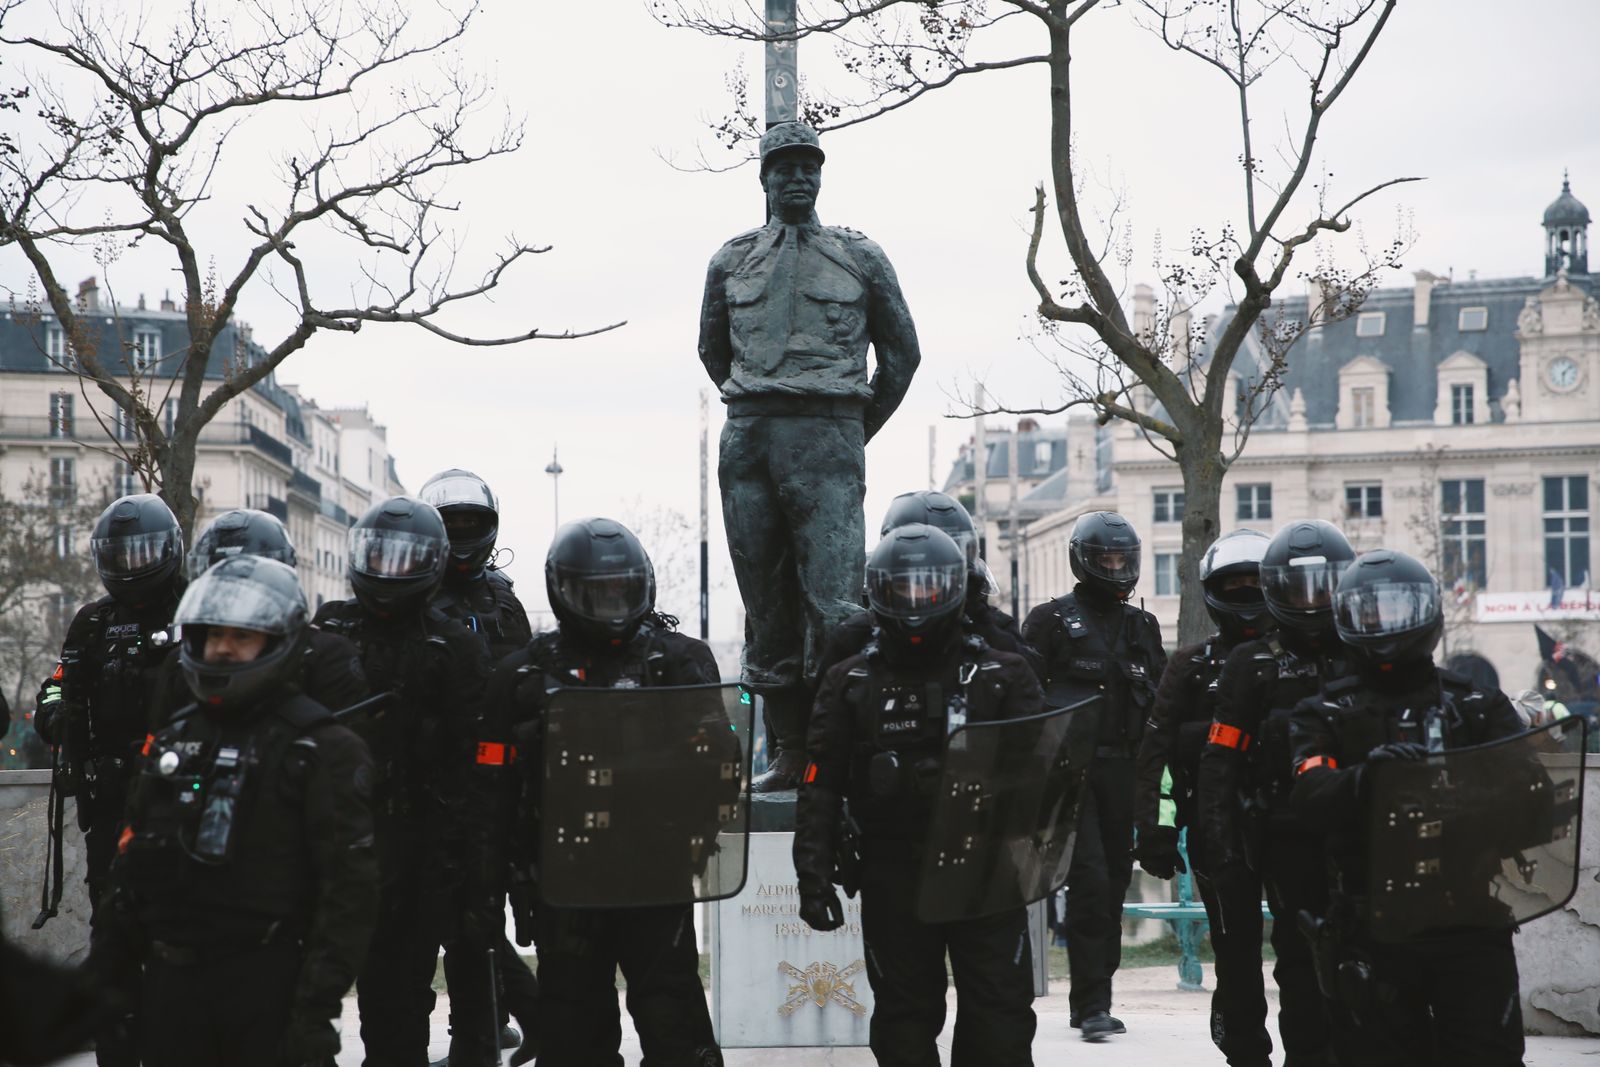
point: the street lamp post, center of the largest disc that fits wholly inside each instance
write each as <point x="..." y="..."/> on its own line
<point x="553" y="469"/>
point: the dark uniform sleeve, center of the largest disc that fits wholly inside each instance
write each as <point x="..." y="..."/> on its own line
<point x="333" y="674"/>
<point x="846" y="639"/>
<point x="716" y="349"/>
<point x="1327" y="794"/>
<point x="1501" y="718"/>
<point x="338" y="826"/>
<point x="999" y="631"/>
<point x="1247" y="676"/>
<point x="690" y="662"/>
<point x="48" y="706"/>
<point x="826" y="780"/>
<point x="1040" y="631"/>
<point x="513" y="616"/>
<point x="894" y="337"/>
<point x="1156" y="650"/>
<point x="1023" y="697"/>
<point x="1161" y="737"/>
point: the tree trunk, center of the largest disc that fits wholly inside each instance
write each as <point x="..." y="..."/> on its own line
<point x="177" y="482"/>
<point x="1202" y="493"/>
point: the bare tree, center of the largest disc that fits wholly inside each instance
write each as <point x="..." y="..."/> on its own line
<point x="1442" y="554"/>
<point x="136" y="120"/>
<point x="674" y="546"/>
<point x="1157" y="371"/>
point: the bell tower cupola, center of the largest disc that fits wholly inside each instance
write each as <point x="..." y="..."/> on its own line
<point x="1566" y="234"/>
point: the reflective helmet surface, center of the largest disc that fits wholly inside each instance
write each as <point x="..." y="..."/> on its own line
<point x="600" y="580"/>
<point x="138" y="548"/>
<point x="1299" y="571"/>
<point x="916" y="587"/>
<point x="1387" y="610"/>
<point x="241" y="532"/>
<point x="242" y="593"/>
<point x="471" y="515"/>
<point x="1240" y="612"/>
<point x="1105" y="553"/>
<point x="397" y="555"/>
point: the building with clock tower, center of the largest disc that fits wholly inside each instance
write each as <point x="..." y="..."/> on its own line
<point x="1455" y="419"/>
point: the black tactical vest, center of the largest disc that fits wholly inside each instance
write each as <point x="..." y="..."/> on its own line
<point x="1298" y="677"/>
<point x="1111" y="663"/>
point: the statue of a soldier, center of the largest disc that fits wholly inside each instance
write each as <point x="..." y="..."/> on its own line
<point x="789" y="311"/>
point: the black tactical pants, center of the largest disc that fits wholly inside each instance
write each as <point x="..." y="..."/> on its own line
<point x="579" y="953"/>
<point x="474" y="1037"/>
<point x="395" y="989"/>
<point x="1097" y="882"/>
<point x="1239" y="1002"/>
<point x="1296" y="881"/>
<point x="115" y="1042"/>
<point x="792" y="491"/>
<point x="229" y="1012"/>
<point x="993" y="966"/>
<point x="1437" y="1004"/>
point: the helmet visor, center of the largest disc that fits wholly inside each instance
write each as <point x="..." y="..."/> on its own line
<point x="1303" y="584"/>
<point x="458" y="490"/>
<point x="1112" y="563"/>
<point x="1240" y="553"/>
<point x="984" y="581"/>
<point x="1386" y="609"/>
<point x="121" y="557"/>
<point x="607" y="597"/>
<point x="916" y="592"/>
<point x="232" y="600"/>
<point x="395" y="553"/>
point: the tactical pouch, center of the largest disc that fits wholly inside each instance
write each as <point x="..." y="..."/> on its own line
<point x="1325" y="950"/>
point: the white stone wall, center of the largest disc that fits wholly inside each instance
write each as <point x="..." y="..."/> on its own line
<point x="1558" y="956"/>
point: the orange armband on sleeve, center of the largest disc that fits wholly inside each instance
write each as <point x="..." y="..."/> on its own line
<point x="1314" y="762"/>
<point x="1228" y="736"/>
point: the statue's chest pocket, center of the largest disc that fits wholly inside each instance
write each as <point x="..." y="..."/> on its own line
<point x="745" y="290"/>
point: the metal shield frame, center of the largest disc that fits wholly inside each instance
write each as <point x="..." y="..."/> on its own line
<point x="1475" y="838"/>
<point x="1005" y="817"/>
<point x="644" y="796"/>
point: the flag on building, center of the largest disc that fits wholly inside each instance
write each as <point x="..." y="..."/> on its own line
<point x="1550" y="650"/>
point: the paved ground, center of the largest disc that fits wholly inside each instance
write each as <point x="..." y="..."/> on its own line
<point x="1165" y="1025"/>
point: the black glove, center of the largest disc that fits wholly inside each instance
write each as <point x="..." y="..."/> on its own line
<point x="820" y="908"/>
<point x="308" y="1041"/>
<point x="1398" y="750"/>
<point x="1157" y="851"/>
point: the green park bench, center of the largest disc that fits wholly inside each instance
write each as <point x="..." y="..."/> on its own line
<point x="1187" y="917"/>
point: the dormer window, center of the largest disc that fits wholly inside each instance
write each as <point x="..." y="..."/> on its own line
<point x="1363" y="394"/>
<point x="1472" y="320"/>
<point x="1370" y="323"/>
<point x="1463" y="391"/>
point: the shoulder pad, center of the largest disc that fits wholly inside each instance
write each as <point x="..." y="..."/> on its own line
<point x="302" y="713"/>
<point x="1454" y="680"/>
<point x="500" y="577"/>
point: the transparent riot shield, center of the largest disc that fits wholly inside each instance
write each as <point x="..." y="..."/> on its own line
<point x="1006" y="813"/>
<point x="1475" y="838"/>
<point x="645" y="797"/>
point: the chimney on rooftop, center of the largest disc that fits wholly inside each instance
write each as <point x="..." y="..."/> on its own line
<point x="1422" y="298"/>
<point x="1027" y="425"/>
<point x="166" y="302"/>
<point x="89" y="295"/>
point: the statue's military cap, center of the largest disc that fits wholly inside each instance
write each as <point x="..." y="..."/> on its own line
<point x="790" y="137"/>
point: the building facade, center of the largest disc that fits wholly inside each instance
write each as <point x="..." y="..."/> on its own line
<point x="1457" y="420"/>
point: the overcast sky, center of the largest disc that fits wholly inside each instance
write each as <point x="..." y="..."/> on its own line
<point x="1483" y="98"/>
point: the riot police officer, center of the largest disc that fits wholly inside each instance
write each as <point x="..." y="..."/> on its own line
<point x="96" y="707"/>
<point x="942" y="512"/>
<point x="1230" y="577"/>
<point x="1452" y="998"/>
<point x="1094" y="643"/>
<point x="246" y="880"/>
<point x="478" y="594"/>
<point x="431" y="834"/>
<point x="330" y="665"/>
<point x="1253" y="842"/>
<point x="602" y="589"/>
<point x="877" y="739"/>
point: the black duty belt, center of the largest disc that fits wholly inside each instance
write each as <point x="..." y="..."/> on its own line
<point x="194" y="955"/>
<point x="832" y="407"/>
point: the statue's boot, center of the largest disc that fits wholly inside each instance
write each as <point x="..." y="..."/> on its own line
<point x="787" y="713"/>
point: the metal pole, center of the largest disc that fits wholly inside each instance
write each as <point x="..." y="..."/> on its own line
<point x="783" y="78"/>
<point x="705" y="508"/>
<point x="553" y="469"/>
<point x="933" y="448"/>
<point x="980" y="473"/>
<point x="1011" y="515"/>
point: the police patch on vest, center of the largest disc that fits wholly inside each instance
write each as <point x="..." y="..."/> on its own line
<point x="122" y="629"/>
<point x="1091" y="666"/>
<point x="900" y="726"/>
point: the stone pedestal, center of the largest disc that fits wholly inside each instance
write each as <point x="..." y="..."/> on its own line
<point x="23" y="838"/>
<point x="1558" y="956"/>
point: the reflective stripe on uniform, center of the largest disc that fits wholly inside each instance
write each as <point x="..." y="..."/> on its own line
<point x="494" y="754"/>
<point x="1228" y="736"/>
<point x="1314" y="762"/>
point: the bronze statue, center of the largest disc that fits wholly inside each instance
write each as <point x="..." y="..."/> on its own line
<point x="788" y="313"/>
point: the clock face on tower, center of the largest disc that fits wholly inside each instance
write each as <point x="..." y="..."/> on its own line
<point x="1562" y="374"/>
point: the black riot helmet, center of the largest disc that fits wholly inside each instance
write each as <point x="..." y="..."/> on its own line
<point x="935" y="509"/>
<point x="398" y="551"/>
<point x="240" y="532"/>
<point x="1298" y="573"/>
<point x="916" y="589"/>
<point x="1386" y="609"/>
<point x="242" y="593"/>
<point x="471" y="517"/>
<point x="1104" y="553"/>
<point x="1230" y="575"/>
<point x="600" y="580"/>
<point x="138" y="549"/>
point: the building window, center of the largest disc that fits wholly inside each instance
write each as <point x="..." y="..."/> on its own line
<point x="1472" y="320"/>
<point x="63" y="481"/>
<point x="125" y="482"/>
<point x="1363" y="407"/>
<point x="55" y="344"/>
<point x="169" y="419"/>
<point x="1169" y="505"/>
<point x="1460" y="405"/>
<point x="1363" y="500"/>
<point x="64" y="540"/>
<point x="1566" y="530"/>
<point x="123" y="425"/>
<point x="146" y="349"/>
<point x="1370" y="323"/>
<point x="1255" y="503"/>
<point x="1041" y="456"/>
<point x="1464" y="554"/>
<point x="1166" y="574"/>
<point x="61" y="415"/>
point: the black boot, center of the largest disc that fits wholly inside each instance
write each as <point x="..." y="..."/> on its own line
<point x="786" y="712"/>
